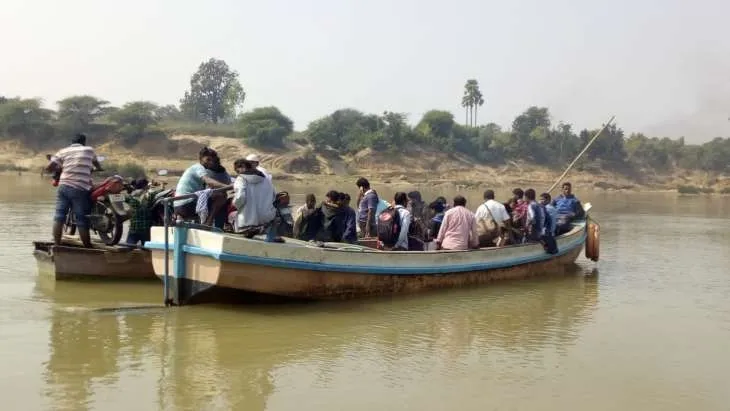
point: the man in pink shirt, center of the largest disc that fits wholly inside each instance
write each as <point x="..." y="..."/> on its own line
<point x="459" y="228"/>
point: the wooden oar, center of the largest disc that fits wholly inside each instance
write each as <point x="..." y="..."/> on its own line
<point x="562" y="176"/>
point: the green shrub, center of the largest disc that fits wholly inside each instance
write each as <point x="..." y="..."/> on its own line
<point x="694" y="190"/>
<point x="126" y="170"/>
<point x="199" y="129"/>
<point x="688" y="190"/>
<point x="725" y="190"/>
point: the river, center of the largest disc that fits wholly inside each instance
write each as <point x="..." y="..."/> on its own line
<point x="648" y="327"/>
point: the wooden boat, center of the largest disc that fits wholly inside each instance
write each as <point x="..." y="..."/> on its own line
<point x="71" y="261"/>
<point x="201" y="262"/>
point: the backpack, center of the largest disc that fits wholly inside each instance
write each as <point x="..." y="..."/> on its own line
<point x="389" y="226"/>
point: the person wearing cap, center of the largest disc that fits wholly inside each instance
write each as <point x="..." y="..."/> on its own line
<point x="75" y="164"/>
<point x="255" y="160"/>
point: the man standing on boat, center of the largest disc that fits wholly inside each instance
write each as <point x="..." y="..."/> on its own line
<point x="367" y="206"/>
<point x="74" y="187"/>
<point x="459" y="228"/>
<point x="497" y="212"/>
<point x="535" y="222"/>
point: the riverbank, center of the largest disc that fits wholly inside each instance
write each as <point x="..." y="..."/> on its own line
<point x="417" y="167"/>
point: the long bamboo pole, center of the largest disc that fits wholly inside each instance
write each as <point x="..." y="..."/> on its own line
<point x="565" y="173"/>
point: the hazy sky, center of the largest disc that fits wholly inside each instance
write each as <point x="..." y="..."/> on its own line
<point x="661" y="66"/>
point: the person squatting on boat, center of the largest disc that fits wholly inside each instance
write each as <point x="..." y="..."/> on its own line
<point x="254" y="201"/>
<point x="75" y="164"/>
<point x="196" y="180"/>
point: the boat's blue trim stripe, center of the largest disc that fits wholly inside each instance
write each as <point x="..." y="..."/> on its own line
<point x="369" y="269"/>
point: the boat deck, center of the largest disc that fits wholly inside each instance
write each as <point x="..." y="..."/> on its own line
<point x="72" y="261"/>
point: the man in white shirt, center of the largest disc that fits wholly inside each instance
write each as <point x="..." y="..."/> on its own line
<point x="496" y="210"/>
<point x="254" y="159"/>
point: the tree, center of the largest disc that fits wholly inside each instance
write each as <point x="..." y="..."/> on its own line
<point x="134" y="120"/>
<point x="266" y="127"/>
<point x="471" y="101"/>
<point x="169" y="112"/>
<point x="215" y="93"/>
<point x="437" y="128"/>
<point x="25" y="118"/>
<point x="395" y="129"/>
<point x="608" y="148"/>
<point x="76" y="113"/>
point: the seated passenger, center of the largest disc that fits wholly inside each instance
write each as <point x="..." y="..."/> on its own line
<point x="459" y="228"/>
<point x="418" y="231"/>
<point x="254" y="201"/>
<point x="307" y="220"/>
<point x="333" y="219"/>
<point x="437" y="210"/>
<point x="350" y="233"/>
<point x="569" y="208"/>
<point x="535" y="220"/>
<point x="284" y="221"/>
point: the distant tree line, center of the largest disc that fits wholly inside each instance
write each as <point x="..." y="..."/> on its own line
<point x="212" y="104"/>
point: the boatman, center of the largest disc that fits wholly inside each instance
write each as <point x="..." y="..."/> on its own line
<point x="75" y="163"/>
<point x="569" y="208"/>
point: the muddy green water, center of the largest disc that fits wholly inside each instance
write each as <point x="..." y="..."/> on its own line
<point x="647" y="328"/>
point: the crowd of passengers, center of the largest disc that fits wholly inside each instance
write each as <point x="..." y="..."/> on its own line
<point x="256" y="208"/>
<point x="406" y="224"/>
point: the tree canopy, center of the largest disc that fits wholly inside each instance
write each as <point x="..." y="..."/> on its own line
<point x="215" y="93"/>
<point x="76" y="113"/>
<point x="266" y="127"/>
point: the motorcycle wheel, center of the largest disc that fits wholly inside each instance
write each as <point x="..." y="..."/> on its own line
<point x="70" y="225"/>
<point x="113" y="222"/>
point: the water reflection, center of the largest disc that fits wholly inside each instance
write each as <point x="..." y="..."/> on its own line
<point x="237" y="358"/>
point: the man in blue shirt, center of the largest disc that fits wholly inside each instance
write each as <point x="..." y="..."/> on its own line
<point x="195" y="179"/>
<point x="551" y="212"/>
<point x="569" y="208"/>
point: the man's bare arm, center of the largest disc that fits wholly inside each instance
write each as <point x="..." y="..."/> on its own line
<point x="212" y="183"/>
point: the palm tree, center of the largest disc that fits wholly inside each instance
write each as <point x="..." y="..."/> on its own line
<point x="466" y="103"/>
<point x="470" y="88"/>
<point x="477" y="101"/>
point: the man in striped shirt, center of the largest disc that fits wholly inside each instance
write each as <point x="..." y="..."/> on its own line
<point x="74" y="187"/>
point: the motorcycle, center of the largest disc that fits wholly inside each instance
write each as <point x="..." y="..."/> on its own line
<point x="108" y="213"/>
